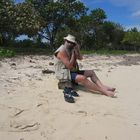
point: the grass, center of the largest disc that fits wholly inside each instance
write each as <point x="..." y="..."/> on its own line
<point x="12" y="51"/>
<point x="6" y="53"/>
<point x="108" y="52"/>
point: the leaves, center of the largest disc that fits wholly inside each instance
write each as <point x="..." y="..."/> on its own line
<point x="27" y="19"/>
<point x="132" y="38"/>
<point x="52" y="20"/>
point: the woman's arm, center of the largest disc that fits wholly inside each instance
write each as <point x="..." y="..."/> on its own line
<point x="77" y="52"/>
<point x="69" y="63"/>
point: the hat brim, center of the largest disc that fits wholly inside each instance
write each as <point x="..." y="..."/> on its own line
<point x="65" y="38"/>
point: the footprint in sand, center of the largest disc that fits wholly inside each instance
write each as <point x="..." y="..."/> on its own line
<point x="23" y="126"/>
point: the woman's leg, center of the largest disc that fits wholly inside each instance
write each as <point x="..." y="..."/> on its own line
<point x="92" y="86"/>
<point x="95" y="79"/>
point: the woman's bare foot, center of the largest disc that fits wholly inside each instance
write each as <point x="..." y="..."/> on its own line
<point x="109" y="88"/>
<point x="108" y="93"/>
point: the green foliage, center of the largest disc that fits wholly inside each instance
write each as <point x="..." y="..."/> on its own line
<point x="26" y="19"/>
<point x="132" y="38"/>
<point x="88" y="29"/>
<point x="57" y="16"/>
<point x="98" y="16"/>
<point x="52" y="20"/>
<point x="6" y="53"/>
<point x="17" y="19"/>
<point x="95" y="28"/>
<point x="6" y="10"/>
<point x="108" y="52"/>
<point x="113" y="34"/>
<point x="6" y="21"/>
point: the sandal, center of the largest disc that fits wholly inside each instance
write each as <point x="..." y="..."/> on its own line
<point x="71" y="91"/>
<point x="68" y="97"/>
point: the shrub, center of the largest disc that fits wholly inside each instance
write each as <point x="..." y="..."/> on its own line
<point x="6" y="53"/>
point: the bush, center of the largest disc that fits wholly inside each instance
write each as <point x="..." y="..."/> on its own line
<point x="6" y="53"/>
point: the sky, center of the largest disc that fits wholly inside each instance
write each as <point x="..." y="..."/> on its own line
<point x="124" y="12"/>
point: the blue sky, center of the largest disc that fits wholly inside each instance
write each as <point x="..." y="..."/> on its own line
<point x="125" y="12"/>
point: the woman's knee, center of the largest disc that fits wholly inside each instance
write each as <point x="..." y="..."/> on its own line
<point x="80" y="78"/>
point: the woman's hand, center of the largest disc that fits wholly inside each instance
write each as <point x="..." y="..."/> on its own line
<point x="77" y="51"/>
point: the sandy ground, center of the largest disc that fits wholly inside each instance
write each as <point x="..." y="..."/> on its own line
<point x="33" y="108"/>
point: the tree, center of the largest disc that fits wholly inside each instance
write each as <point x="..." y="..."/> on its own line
<point x="132" y="39"/>
<point x="17" y="19"/>
<point x="57" y="16"/>
<point x="89" y="29"/>
<point x="98" y="17"/>
<point x="26" y="19"/>
<point x="6" y="24"/>
<point x="113" y="34"/>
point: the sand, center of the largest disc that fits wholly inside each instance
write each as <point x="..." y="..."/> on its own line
<point x="33" y="108"/>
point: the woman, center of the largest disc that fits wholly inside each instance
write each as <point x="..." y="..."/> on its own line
<point x="67" y="56"/>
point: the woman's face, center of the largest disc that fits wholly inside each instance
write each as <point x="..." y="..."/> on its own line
<point x="70" y="45"/>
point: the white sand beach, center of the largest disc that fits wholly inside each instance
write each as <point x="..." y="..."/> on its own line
<point x="33" y="108"/>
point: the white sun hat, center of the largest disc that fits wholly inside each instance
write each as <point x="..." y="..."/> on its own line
<point x="70" y="38"/>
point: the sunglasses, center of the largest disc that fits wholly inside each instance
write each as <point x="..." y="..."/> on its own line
<point x="71" y="43"/>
